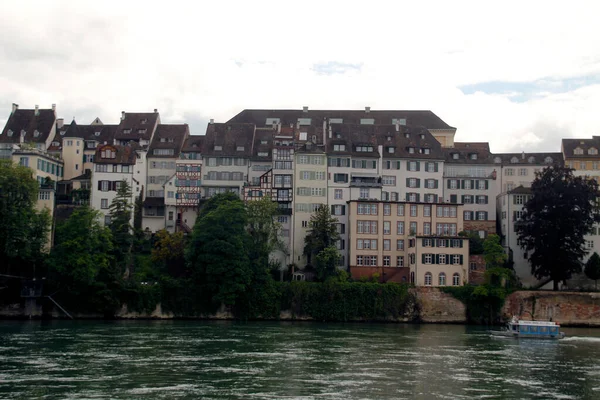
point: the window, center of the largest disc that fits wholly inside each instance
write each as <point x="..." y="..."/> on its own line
<point x="441" y="259"/>
<point x="338" y="194"/>
<point x="412" y="166"/>
<point x="467" y="184"/>
<point x="367" y="244"/>
<point x="44" y="195"/>
<point x="412" y="182"/>
<point x="456" y="279"/>
<point x="387" y="244"/>
<point x="428" y="279"/>
<point x="364" y="193"/>
<point x="442" y="279"/>
<point x="578" y="151"/>
<point x="386" y="261"/>
<point x="387" y="180"/>
<point x="426" y="228"/>
<point x="218" y="148"/>
<point x="339" y="147"/>
<point x="413" y="210"/>
<point x="413" y="228"/>
<point x="400" y="210"/>
<point x="473" y="266"/>
<point x="481" y="216"/>
<point x="427" y="211"/>
<point x="399" y="228"/>
<point x="24" y="161"/>
<point x="522" y="171"/>
<point x="305" y="224"/>
<point x="482" y="199"/>
<point x="367" y="209"/>
<point x="340" y="178"/>
<point x="431" y="183"/>
<point x="453" y="184"/>
<point x="400" y="244"/>
<point x="400" y="261"/>
<point x="589" y="244"/>
<point x="105" y="186"/>
<point x="509" y="172"/>
<point x="107" y="220"/>
<point x="387" y="209"/>
<point x="104" y="203"/>
<point x="387" y="230"/>
<point x="427" y="258"/>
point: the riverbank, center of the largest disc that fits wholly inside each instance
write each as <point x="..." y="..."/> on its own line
<point x="427" y="305"/>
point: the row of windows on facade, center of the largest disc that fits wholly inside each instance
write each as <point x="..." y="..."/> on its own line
<point x="224" y="176"/>
<point x="471" y="172"/>
<point x="44" y="166"/>
<point x="469" y="199"/>
<point x="189" y="168"/>
<point x="371" y="261"/>
<point x="468" y="184"/>
<point x="227" y="161"/>
<point x="307" y="121"/>
<point x="591" y="151"/>
<point x="589" y="165"/>
<point x="441" y="279"/>
<point x="370" y="227"/>
<point x="118" y="168"/>
<point x="109" y="186"/>
<point x="442" y="211"/>
<point x="371" y="244"/>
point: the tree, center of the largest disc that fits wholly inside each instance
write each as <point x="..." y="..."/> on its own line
<point x="327" y="261"/>
<point x="218" y="250"/>
<point x="322" y="235"/>
<point x="475" y="242"/>
<point x="493" y="252"/>
<point x="560" y="212"/>
<point x="592" y="268"/>
<point x="169" y="253"/>
<point x="82" y="249"/>
<point x="120" y="216"/>
<point x="23" y="229"/>
<point x="263" y="229"/>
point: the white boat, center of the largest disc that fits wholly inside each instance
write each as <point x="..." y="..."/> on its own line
<point x="518" y="328"/>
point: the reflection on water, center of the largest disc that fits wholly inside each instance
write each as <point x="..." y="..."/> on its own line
<point x="177" y="359"/>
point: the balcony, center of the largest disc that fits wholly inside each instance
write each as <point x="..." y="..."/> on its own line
<point x="284" y="211"/>
<point x="370" y="182"/>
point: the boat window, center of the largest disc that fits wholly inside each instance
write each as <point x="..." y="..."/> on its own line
<point x="543" y="329"/>
<point x="524" y="328"/>
<point x="533" y="329"/>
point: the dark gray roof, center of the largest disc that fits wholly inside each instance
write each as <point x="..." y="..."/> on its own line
<point x="125" y="154"/>
<point x="140" y="125"/>
<point x="169" y="137"/>
<point x="528" y="158"/>
<point x="229" y="137"/>
<point x="466" y="150"/>
<point x="569" y="146"/>
<point x="27" y="121"/>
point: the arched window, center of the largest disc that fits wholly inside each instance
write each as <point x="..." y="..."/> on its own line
<point x="428" y="279"/>
<point x="531" y="160"/>
<point x="514" y="160"/>
<point x="497" y="160"/>
<point x="593" y="151"/>
<point x="548" y="160"/>
<point x="442" y="279"/>
<point x="456" y="279"/>
<point x="578" y="151"/>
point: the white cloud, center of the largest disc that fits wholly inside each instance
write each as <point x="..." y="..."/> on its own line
<point x="194" y="61"/>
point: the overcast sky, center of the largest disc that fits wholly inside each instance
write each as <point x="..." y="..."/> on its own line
<point x="521" y="75"/>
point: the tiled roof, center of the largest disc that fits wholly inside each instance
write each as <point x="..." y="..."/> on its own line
<point x="124" y="154"/>
<point x="569" y="146"/>
<point x="528" y="158"/>
<point x="466" y="150"/>
<point x="139" y="126"/>
<point x="520" y="190"/>
<point x="194" y="143"/>
<point x="99" y="133"/>
<point x="230" y="137"/>
<point x="263" y="143"/>
<point x="27" y="121"/>
<point x="169" y="137"/>
<point x="424" y="118"/>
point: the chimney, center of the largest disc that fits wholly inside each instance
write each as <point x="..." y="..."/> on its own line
<point x="212" y="121"/>
<point x="523" y="156"/>
<point x="279" y="127"/>
<point x="60" y="122"/>
<point x="54" y="107"/>
<point x="15" y="107"/>
<point x="122" y="115"/>
<point x="367" y="110"/>
<point x="305" y="109"/>
<point x="37" y="110"/>
<point x="156" y="110"/>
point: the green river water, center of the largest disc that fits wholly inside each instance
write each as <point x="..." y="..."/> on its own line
<point x="269" y="360"/>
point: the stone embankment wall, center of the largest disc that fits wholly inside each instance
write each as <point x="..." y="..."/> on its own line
<point x="437" y="306"/>
<point x="567" y="308"/>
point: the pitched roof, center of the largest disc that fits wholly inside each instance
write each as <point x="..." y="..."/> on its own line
<point x="465" y="151"/>
<point x="169" y="137"/>
<point x="235" y="140"/>
<point x="36" y="128"/>
<point x="99" y="133"/>
<point x="137" y="126"/>
<point x="124" y="154"/>
<point x="520" y="190"/>
<point x="569" y="146"/>
<point x="381" y="117"/>
<point x="528" y="158"/>
<point x="194" y="143"/>
<point x="263" y="143"/>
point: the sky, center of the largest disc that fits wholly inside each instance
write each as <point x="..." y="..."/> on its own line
<point x="520" y="75"/>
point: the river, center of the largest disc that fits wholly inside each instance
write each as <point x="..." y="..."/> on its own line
<point x="268" y="360"/>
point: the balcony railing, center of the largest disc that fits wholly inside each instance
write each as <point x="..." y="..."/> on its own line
<point x="366" y="182"/>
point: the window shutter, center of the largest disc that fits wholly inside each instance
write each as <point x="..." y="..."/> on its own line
<point x="472" y="184"/>
<point x="461" y="259"/>
<point x="487" y="184"/>
<point x="332" y="210"/>
<point x="418" y="197"/>
<point x="418" y="165"/>
<point x="461" y="245"/>
<point x="486" y="199"/>
<point x="426" y="167"/>
<point x="374" y="164"/>
<point x="462" y="184"/>
<point x="99" y="185"/>
<point x="435" y="184"/>
<point x="435" y="167"/>
<point x="418" y="183"/>
<point x="453" y="198"/>
<point x="407" y="182"/>
<point x="448" y="242"/>
<point x="514" y="199"/>
<point x="437" y="259"/>
<point x="452" y="243"/>
<point x="114" y="185"/>
<point x="423" y="258"/>
<point x="448" y="185"/>
<point x="462" y="198"/>
<point x="486" y="214"/>
<point x="343" y="211"/>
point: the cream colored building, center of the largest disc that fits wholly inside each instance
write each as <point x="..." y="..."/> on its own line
<point x="393" y="234"/>
<point x="310" y="192"/>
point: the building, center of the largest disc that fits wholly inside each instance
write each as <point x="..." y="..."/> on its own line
<point x="35" y="127"/>
<point x="582" y="155"/>
<point x="419" y="240"/>
<point x="471" y="178"/>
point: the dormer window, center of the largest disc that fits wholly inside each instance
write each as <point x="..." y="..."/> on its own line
<point x="239" y="148"/>
<point x="389" y="138"/>
<point x="473" y="156"/>
<point x="592" y="151"/>
<point x="514" y="160"/>
<point x="422" y="136"/>
<point x="578" y="151"/>
<point x="455" y="156"/>
<point x="303" y="136"/>
<point x="339" y="147"/>
<point x="364" y="149"/>
<point x="9" y="133"/>
<point x="163" y="140"/>
<point x="391" y="149"/>
<point x="97" y="133"/>
<point x="143" y="120"/>
<point x="218" y="148"/>
<point x="170" y="140"/>
<point x="497" y="160"/>
<point x="23" y="132"/>
<point x="411" y="150"/>
<point x="407" y="135"/>
<point x="62" y="133"/>
<point x="55" y="144"/>
<point x="426" y="150"/>
<point x="36" y="133"/>
<point x="338" y="135"/>
<point x="531" y="160"/>
<point x="304" y="121"/>
<point x="263" y="154"/>
<point x="143" y="130"/>
<point x="367" y="121"/>
<point x="108" y="153"/>
<point x="263" y="142"/>
<point x="548" y="160"/>
<point x="126" y="130"/>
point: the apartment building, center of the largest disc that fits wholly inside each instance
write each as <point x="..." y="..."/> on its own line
<point x="183" y="189"/>
<point x="385" y="236"/>
<point x="35" y="127"/>
<point x="582" y="155"/>
<point x="471" y="177"/>
<point x="114" y="164"/>
<point x="163" y="153"/>
<point x="136" y="127"/>
<point x="518" y="169"/>
<point x="227" y="151"/>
